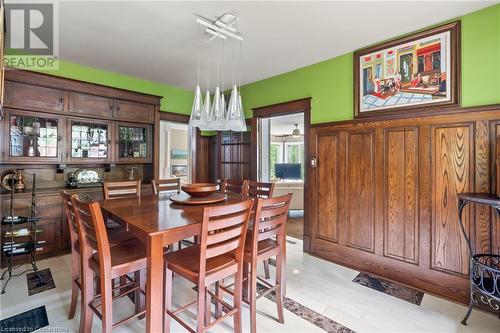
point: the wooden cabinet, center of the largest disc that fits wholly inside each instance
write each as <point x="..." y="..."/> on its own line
<point x="65" y="105"/>
<point x="135" y="112"/>
<point x="31" y="97"/>
<point x="89" y="141"/>
<point x="90" y="105"/>
<point x="132" y="143"/>
<point x="383" y="196"/>
<point x="32" y="137"/>
<point x="233" y="154"/>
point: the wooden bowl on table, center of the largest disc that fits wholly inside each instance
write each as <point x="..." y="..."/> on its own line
<point x="199" y="189"/>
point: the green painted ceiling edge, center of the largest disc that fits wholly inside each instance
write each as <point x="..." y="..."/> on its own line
<point x="174" y="99"/>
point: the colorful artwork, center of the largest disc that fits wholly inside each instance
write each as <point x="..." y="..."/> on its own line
<point x="407" y="73"/>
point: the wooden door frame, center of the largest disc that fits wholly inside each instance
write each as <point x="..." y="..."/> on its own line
<point x="302" y="105"/>
<point x="195" y="141"/>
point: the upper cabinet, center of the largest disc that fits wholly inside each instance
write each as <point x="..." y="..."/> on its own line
<point x="133" y="143"/>
<point x="90" y="141"/>
<point x="36" y="98"/>
<point x="90" y="105"/>
<point x="32" y="137"/>
<point x="132" y="111"/>
<point x="53" y="120"/>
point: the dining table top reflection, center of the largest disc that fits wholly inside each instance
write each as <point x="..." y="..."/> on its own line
<point x="158" y="222"/>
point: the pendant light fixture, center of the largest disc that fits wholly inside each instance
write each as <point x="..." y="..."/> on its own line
<point x="215" y="117"/>
<point x="296" y="131"/>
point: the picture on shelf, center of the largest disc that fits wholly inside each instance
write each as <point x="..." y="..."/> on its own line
<point x="418" y="70"/>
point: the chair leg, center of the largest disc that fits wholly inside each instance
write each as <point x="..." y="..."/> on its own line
<point x="238" y="286"/>
<point x="140" y="280"/>
<point x="208" y="306"/>
<point x="168" y="299"/>
<point x="218" y="305"/>
<point x="279" y="289"/>
<point x="107" y="304"/>
<point x="246" y="283"/>
<point x="253" y="297"/>
<point x="266" y="269"/>
<point x="87" y="283"/>
<point x="201" y="309"/>
<point x="75" y="273"/>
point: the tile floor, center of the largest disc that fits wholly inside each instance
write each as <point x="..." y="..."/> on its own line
<point x="324" y="287"/>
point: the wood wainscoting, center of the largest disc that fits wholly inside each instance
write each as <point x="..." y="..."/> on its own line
<point x="383" y="196"/>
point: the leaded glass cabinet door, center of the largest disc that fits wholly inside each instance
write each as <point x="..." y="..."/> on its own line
<point x="89" y="141"/>
<point x="32" y="137"/>
<point x="133" y="143"/>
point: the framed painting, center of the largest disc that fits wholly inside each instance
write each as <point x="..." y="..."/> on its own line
<point x="410" y="74"/>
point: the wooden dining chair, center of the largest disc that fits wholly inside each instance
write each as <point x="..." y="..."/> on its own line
<point x="166" y="185"/>
<point x="116" y="236"/>
<point x="232" y="186"/>
<point x="219" y="255"/>
<point x="121" y="189"/>
<point x="253" y="189"/>
<point x="267" y="239"/>
<point x="109" y="263"/>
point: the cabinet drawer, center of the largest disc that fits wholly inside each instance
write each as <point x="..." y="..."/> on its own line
<point x="90" y="105"/>
<point x="32" y="97"/>
<point x="136" y="112"/>
<point x="90" y="196"/>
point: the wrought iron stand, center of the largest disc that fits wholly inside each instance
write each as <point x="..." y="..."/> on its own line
<point x="484" y="268"/>
<point x="13" y="249"/>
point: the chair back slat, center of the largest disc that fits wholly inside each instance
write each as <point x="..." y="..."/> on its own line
<point x="166" y="185"/>
<point x="223" y="247"/>
<point x="121" y="189"/>
<point x="270" y="220"/>
<point x="223" y="234"/>
<point x="252" y="189"/>
<point x="92" y="231"/>
<point x="70" y="218"/>
<point x="232" y="186"/>
<point x="223" y="231"/>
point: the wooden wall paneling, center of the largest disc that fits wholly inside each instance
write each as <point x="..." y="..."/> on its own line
<point x="482" y="231"/>
<point x="495" y="182"/>
<point x="360" y="196"/>
<point x="327" y="187"/>
<point x="400" y="193"/>
<point x="452" y="173"/>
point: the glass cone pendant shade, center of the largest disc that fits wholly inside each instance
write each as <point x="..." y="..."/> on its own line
<point x="222" y="116"/>
<point x="214" y="122"/>
<point x="195" y="119"/>
<point x="235" y="118"/>
<point x="205" y="112"/>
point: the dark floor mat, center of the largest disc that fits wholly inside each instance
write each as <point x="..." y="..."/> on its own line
<point x="40" y="281"/>
<point x="28" y="321"/>
<point x="390" y="288"/>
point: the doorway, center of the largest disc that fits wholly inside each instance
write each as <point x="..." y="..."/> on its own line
<point x="280" y="154"/>
<point x="174" y="161"/>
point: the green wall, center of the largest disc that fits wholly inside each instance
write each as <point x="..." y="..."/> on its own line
<point x="330" y="83"/>
<point x="174" y="99"/>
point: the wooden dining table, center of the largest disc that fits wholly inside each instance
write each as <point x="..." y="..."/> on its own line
<point x="158" y="222"/>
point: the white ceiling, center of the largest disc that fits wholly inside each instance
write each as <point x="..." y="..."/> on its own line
<point x="286" y="124"/>
<point x="160" y="40"/>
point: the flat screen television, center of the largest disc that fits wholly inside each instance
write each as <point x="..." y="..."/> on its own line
<point x="288" y="170"/>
